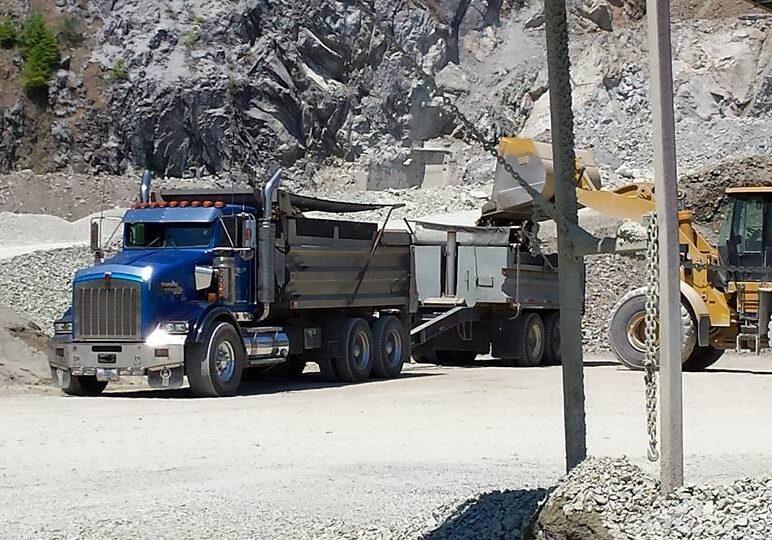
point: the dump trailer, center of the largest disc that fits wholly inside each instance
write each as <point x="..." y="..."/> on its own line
<point x="208" y="284"/>
<point x="480" y="290"/>
<point x="726" y="295"/>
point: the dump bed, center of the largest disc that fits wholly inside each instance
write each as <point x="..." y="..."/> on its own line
<point x="333" y="264"/>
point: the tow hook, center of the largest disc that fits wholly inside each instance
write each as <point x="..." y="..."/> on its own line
<point x="166" y="375"/>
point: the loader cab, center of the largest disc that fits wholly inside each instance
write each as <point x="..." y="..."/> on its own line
<point x="745" y="238"/>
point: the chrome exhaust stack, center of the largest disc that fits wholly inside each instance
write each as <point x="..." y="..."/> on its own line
<point x="266" y="245"/>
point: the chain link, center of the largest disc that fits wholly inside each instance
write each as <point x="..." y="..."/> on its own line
<point x="651" y="333"/>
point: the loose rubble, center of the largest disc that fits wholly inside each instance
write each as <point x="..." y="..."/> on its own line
<point x="612" y="498"/>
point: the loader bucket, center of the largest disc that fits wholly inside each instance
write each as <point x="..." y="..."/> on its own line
<point x="533" y="162"/>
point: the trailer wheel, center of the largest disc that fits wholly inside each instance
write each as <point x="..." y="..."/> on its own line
<point x="354" y="360"/>
<point x="702" y="357"/>
<point x="626" y="330"/>
<point x="216" y="370"/>
<point x="530" y="339"/>
<point x="390" y="347"/>
<point x="84" y="385"/>
<point x="552" y="336"/>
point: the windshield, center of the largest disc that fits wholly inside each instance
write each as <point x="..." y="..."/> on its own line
<point x="168" y="235"/>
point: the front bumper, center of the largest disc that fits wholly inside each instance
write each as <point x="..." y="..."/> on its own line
<point x="107" y="361"/>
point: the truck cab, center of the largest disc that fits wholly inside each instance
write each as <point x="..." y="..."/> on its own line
<point x="133" y="313"/>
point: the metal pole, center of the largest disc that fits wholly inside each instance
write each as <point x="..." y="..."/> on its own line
<point x="666" y="189"/>
<point x="570" y="263"/>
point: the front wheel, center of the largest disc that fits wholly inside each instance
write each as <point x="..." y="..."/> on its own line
<point x="216" y="372"/>
<point x="702" y="357"/>
<point x="84" y="385"/>
<point x="627" y="330"/>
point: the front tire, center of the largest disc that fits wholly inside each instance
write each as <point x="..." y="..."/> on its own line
<point x="216" y="371"/>
<point x="702" y="357"/>
<point x="626" y="330"/>
<point x="84" y="385"/>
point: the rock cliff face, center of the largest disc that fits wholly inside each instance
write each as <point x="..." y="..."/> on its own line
<point x="197" y="86"/>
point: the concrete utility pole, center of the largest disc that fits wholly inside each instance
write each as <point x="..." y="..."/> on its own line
<point x="666" y="189"/>
<point x="570" y="264"/>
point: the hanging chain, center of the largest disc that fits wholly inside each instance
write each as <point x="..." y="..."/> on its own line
<point x="651" y="334"/>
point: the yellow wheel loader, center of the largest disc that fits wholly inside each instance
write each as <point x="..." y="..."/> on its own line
<point x="726" y="295"/>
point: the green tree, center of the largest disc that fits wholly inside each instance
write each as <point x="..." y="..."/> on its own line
<point x="33" y="30"/>
<point x="41" y="53"/>
<point x="7" y="32"/>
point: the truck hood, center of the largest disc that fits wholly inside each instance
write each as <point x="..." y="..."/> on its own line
<point x="147" y="264"/>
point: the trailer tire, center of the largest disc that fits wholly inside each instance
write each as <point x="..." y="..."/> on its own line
<point x="84" y="385"/>
<point x="215" y="371"/>
<point x="354" y="360"/>
<point x="530" y="339"/>
<point x="391" y="344"/>
<point x="552" y="335"/>
<point x="626" y="330"/>
<point x="702" y="357"/>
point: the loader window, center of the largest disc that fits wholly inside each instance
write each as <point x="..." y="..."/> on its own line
<point x="168" y="235"/>
<point x="750" y="225"/>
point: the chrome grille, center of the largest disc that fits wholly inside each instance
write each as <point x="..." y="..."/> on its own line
<point x="107" y="310"/>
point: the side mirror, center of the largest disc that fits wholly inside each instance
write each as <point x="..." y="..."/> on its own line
<point x="249" y="233"/>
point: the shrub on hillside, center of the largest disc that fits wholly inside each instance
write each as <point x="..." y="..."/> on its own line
<point x="71" y="30"/>
<point x="7" y="32"/>
<point x="40" y="51"/>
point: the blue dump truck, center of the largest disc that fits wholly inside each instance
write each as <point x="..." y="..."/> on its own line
<point x="208" y="284"/>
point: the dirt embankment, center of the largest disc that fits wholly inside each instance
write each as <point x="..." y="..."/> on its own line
<point x="22" y="356"/>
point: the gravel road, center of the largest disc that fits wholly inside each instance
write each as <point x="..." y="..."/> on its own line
<point x="305" y="459"/>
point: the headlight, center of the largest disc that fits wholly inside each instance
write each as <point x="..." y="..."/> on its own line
<point x="175" y="327"/>
<point x="62" y="327"/>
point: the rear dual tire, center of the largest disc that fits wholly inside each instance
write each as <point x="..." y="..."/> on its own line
<point x="361" y="351"/>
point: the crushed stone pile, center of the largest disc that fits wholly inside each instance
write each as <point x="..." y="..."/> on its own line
<point x="38" y="285"/>
<point x="615" y="499"/>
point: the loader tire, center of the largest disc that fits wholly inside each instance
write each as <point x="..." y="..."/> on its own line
<point x="391" y="345"/>
<point x="552" y="346"/>
<point x="215" y="370"/>
<point x="702" y="357"/>
<point x="626" y="330"/>
<point x="84" y="385"/>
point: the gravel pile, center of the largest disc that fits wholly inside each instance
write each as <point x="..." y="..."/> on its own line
<point x="612" y="498"/>
<point x="38" y="284"/>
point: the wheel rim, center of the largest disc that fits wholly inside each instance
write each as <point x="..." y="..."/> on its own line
<point x="636" y="332"/>
<point x="393" y="347"/>
<point x="535" y="340"/>
<point x="225" y="361"/>
<point x="360" y="350"/>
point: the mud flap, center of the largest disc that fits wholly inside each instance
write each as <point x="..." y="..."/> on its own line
<point x="165" y="378"/>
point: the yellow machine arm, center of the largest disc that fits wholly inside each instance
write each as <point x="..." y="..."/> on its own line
<point x="533" y="162"/>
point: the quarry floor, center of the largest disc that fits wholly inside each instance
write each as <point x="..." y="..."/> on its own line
<point x="307" y="459"/>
